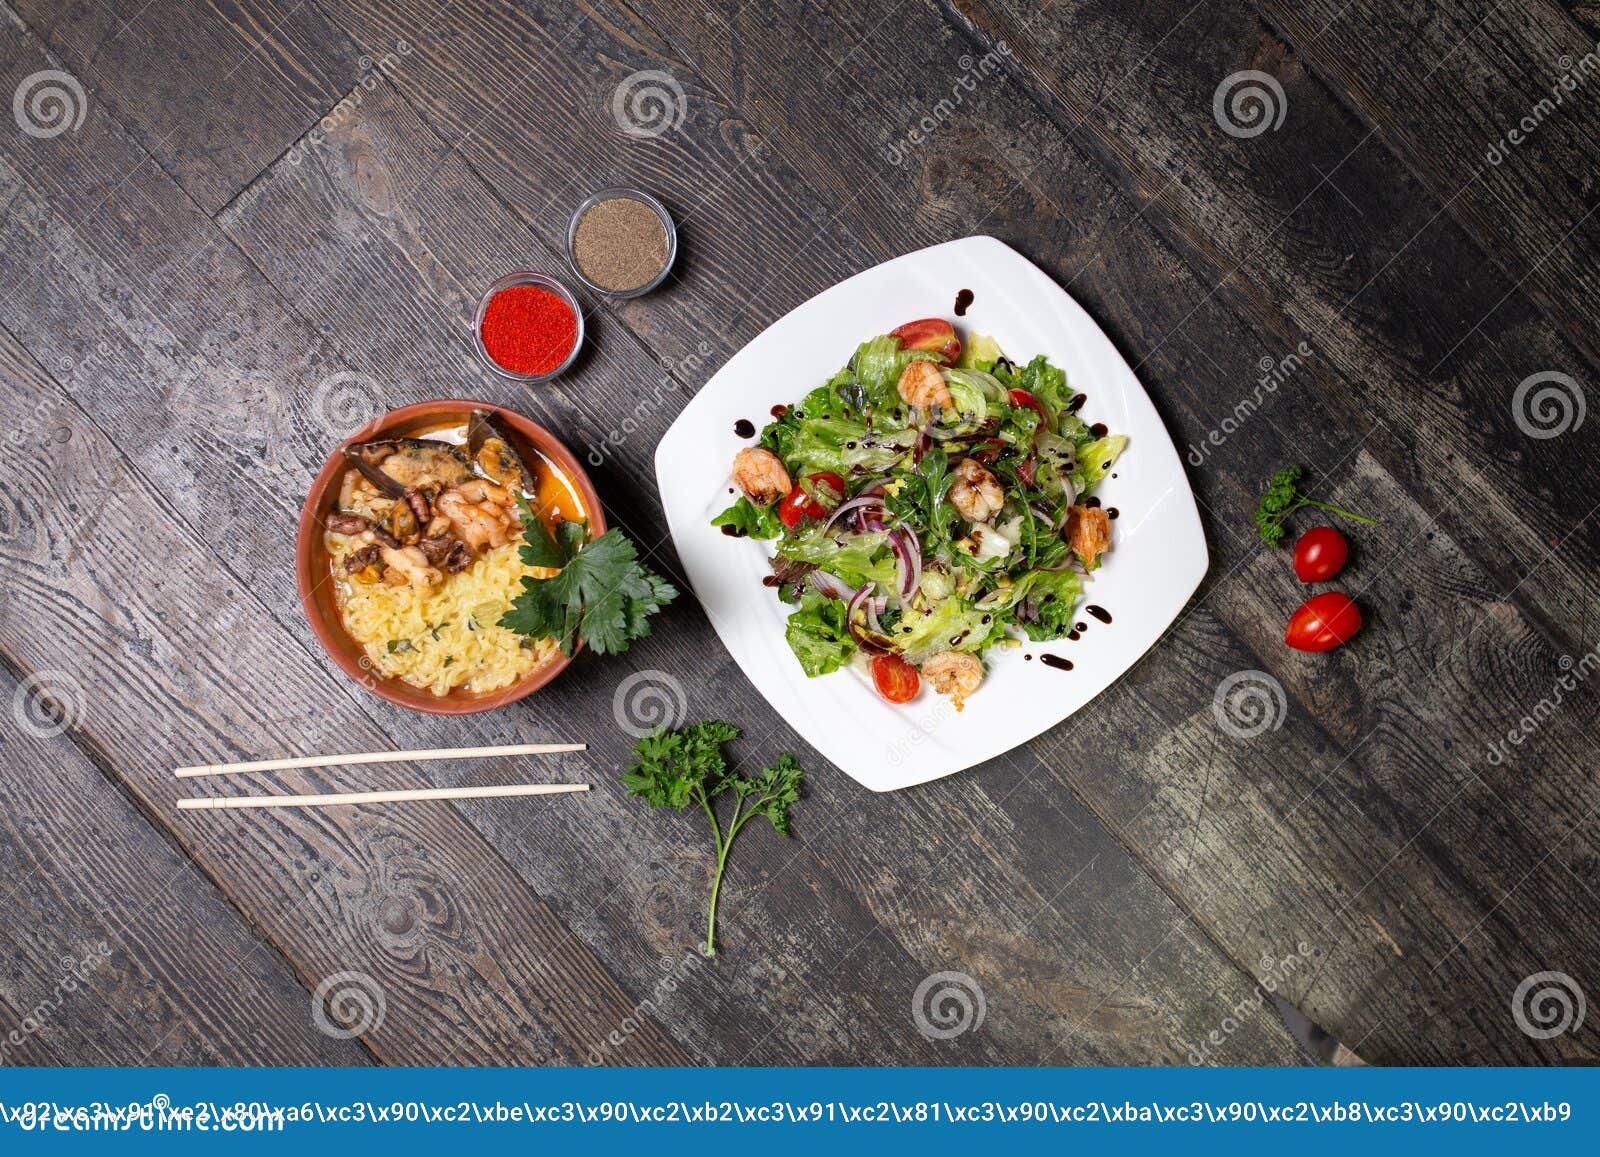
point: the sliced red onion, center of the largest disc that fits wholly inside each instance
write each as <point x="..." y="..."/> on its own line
<point x="870" y="638"/>
<point x="1045" y="514"/>
<point x="832" y="585"/>
<point x="860" y="502"/>
<point x="908" y="552"/>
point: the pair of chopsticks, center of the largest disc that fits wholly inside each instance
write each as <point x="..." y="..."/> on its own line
<point x="404" y="795"/>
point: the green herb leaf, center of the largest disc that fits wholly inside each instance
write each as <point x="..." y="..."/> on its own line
<point x="602" y="595"/>
<point x="676" y="768"/>
<point x="748" y="518"/>
<point x="1282" y="498"/>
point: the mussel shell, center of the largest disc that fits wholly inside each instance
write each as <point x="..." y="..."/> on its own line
<point x="395" y="465"/>
<point x="494" y="453"/>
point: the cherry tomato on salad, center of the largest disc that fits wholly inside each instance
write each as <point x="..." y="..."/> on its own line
<point x="801" y="504"/>
<point x="896" y="680"/>
<point x="1322" y="622"/>
<point x="1024" y="398"/>
<point x="1320" y="554"/>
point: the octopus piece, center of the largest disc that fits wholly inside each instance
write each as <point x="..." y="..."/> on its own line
<point x="479" y="513"/>
<point x="1088" y="531"/>
<point x="408" y="566"/>
<point x="356" y="526"/>
<point x="760" y="474"/>
<point x="365" y="563"/>
<point x="976" y="492"/>
<point x="953" y="673"/>
<point x="441" y="550"/>
<point x="922" y="386"/>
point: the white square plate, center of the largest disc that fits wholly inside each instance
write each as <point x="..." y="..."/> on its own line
<point x="1157" y="559"/>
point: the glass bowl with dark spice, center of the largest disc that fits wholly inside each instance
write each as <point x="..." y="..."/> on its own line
<point x="528" y="327"/>
<point x="621" y="242"/>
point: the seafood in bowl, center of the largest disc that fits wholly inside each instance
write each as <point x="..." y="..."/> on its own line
<point x="422" y="540"/>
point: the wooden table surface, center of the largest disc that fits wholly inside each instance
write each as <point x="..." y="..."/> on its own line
<point x="255" y="224"/>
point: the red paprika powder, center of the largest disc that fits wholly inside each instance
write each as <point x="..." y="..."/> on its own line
<point x="528" y="330"/>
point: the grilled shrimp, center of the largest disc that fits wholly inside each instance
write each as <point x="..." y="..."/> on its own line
<point x="1089" y="532"/>
<point x="760" y="474"/>
<point x="976" y="492"/>
<point x="479" y="511"/>
<point x="953" y="673"/>
<point x="922" y="386"/>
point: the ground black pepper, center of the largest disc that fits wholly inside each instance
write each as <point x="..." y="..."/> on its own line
<point x="619" y="244"/>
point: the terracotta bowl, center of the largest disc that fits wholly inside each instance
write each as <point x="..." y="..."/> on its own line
<point x="314" y="574"/>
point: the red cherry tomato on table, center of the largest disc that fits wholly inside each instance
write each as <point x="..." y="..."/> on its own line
<point x="1024" y="398"/>
<point x="896" y="680"/>
<point x="1320" y="554"/>
<point x="1322" y="622"/>
<point x="798" y="504"/>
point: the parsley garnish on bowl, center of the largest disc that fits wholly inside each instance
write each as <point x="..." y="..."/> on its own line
<point x="603" y="594"/>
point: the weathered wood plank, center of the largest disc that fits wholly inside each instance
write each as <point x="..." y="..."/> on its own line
<point x="117" y="948"/>
<point x="1126" y="274"/>
<point x="1492" y="106"/>
<point x="473" y="963"/>
<point x="470" y="964"/>
<point x="213" y="91"/>
<point x="832" y="984"/>
<point x="1314" y="233"/>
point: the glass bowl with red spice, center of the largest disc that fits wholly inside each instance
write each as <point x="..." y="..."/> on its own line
<point x="529" y="327"/>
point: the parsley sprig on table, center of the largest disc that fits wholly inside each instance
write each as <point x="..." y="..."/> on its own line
<point x="676" y="768"/>
<point x="1283" y="498"/>
<point x="603" y="594"/>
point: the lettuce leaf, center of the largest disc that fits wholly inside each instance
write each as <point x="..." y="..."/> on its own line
<point x="816" y="634"/>
<point x="862" y="558"/>
<point x="1095" y="460"/>
<point x="749" y="519"/>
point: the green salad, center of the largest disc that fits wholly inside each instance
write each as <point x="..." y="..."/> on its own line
<point x="928" y="502"/>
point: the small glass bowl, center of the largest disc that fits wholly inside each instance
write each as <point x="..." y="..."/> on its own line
<point x="543" y="281"/>
<point x="643" y="198"/>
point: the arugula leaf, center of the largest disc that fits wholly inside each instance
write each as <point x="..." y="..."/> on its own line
<point x="676" y="768"/>
<point x="936" y="475"/>
<point x="749" y="519"/>
<point x="602" y="595"/>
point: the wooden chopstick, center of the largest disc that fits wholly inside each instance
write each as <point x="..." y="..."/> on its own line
<point x="376" y="757"/>
<point x="405" y="795"/>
